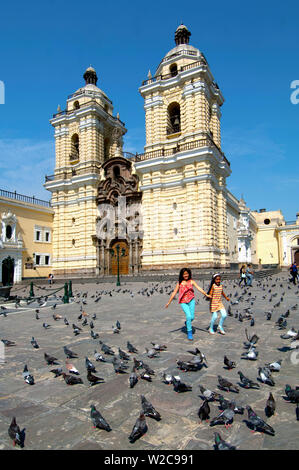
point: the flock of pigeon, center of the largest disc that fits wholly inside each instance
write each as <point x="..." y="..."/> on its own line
<point x="139" y="370"/>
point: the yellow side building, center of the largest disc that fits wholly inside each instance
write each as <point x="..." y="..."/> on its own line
<point x="26" y="237"/>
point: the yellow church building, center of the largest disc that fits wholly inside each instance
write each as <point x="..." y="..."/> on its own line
<point x="152" y="212"/>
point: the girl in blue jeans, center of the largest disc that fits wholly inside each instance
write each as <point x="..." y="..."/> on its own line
<point x="186" y="297"/>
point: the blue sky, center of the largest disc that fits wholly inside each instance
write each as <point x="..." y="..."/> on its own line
<point x="252" y="50"/>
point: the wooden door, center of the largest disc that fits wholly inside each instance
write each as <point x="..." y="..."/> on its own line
<point x="123" y="258"/>
<point x="296" y="258"/>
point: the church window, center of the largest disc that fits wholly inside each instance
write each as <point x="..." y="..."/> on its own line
<point x="37" y="260"/>
<point x="267" y="221"/>
<point x="8" y="232"/>
<point x="76" y="105"/>
<point x="75" y="145"/>
<point x="174" y="118"/>
<point x="47" y="260"/>
<point x="173" y="70"/>
<point x="37" y="235"/>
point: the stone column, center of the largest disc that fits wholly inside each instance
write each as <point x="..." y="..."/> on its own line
<point x="130" y="256"/>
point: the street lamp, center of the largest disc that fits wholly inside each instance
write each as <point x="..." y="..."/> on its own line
<point x="117" y="254"/>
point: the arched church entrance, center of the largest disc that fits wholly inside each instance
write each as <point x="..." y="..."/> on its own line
<point x="8" y="265"/>
<point x="296" y="257"/>
<point x="123" y="251"/>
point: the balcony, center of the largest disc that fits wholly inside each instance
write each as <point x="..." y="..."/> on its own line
<point x="23" y="198"/>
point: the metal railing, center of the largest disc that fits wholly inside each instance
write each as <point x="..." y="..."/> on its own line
<point x="172" y="74"/>
<point x="204" y="141"/>
<point x="24" y="198"/>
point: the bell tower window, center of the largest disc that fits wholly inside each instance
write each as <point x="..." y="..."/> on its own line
<point x="173" y="70"/>
<point x="106" y="148"/>
<point x="174" y="118"/>
<point x="75" y="147"/>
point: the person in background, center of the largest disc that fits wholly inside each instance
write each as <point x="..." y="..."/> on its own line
<point x="242" y="275"/>
<point x="294" y="272"/>
<point x="249" y="275"/>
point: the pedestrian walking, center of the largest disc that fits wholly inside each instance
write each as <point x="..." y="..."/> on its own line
<point x="249" y="275"/>
<point x="186" y="297"/>
<point x="294" y="272"/>
<point x="242" y="275"/>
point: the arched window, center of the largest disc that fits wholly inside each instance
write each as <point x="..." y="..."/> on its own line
<point x="173" y="69"/>
<point x="174" y="118"/>
<point x="8" y="232"/>
<point x="75" y="146"/>
<point x="76" y="105"/>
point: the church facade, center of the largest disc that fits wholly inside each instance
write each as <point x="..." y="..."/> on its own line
<point x="157" y="211"/>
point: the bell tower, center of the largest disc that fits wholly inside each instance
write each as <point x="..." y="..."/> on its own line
<point x="86" y="135"/>
<point x="183" y="170"/>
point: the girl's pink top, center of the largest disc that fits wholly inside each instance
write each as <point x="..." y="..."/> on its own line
<point x="186" y="292"/>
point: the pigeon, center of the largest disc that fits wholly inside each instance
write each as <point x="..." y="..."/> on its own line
<point x="270" y="406"/>
<point x="251" y="354"/>
<point x="91" y="325"/>
<point x="93" y="379"/>
<point x="139" y="428"/>
<point x="186" y="366"/>
<point x="57" y="372"/>
<point x="98" y="420"/>
<point x="146" y="376"/>
<point x="274" y="366"/>
<point x="123" y="355"/>
<point x="15" y="433"/>
<point x="94" y="335"/>
<point x="148" y="369"/>
<point x="209" y="394"/>
<point x="159" y="347"/>
<point x="220" y="444"/>
<point x="226" y="417"/>
<point x="226" y="385"/>
<point x="229" y="364"/>
<point x="99" y="357"/>
<point x="71" y="380"/>
<point x="195" y="352"/>
<point x="133" y="379"/>
<point x="50" y="359"/>
<point x="290" y="334"/>
<point x="118" y="325"/>
<point x="152" y="353"/>
<point x="36" y="314"/>
<point x="29" y="379"/>
<point x="119" y="366"/>
<point x="265" y="376"/>
<point x="138" y="364"/>
<point x="258" y="423"/>
<point x="204" y="411"/>
<point x="247" y="383"/>
<point x="149" y="410"/>
<point x="106" y="349"/>
<point x="56" y="316"/>
<point x="251" y="341"/>
<point x="252" y="322"/>
<point x="89" y="365"/>
<point x="168" y="378"/>
<point x="46" y="326"/>
<point x="269" y="315"/>
<point x="131" y="348"/>
<point x="223" y="403"/>
<point x="293" y="395"/>
<point x="71" y="368"/>
<point x="181" y="387"/>
<point x="69" y="354"/>
<point x="75" y="327"/>
<point x="8" y="343"/>
<point x="34" y="343"/>
<point x="66" y="322"/>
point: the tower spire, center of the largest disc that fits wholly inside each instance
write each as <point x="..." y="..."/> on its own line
<point x="90" y="76"/>
<point x="182" y="35"/>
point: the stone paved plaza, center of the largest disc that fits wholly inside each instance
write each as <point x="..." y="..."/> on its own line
<point x="57" y="416"/>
